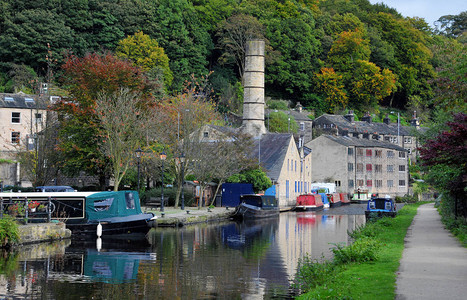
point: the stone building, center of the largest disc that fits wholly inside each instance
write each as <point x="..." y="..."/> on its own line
<point x="403" y="136"/>
<point x="355" y="163"/>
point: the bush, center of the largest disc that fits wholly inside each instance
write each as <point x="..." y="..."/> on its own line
<point x="8" y="231"/>
<point x="362" y="250"/>
<point x="312" y="273"/>
<point x="169" y="196"/>
<point x="406" y="199"/>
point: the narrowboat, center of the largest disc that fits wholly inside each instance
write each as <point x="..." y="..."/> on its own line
<point x="380" y="207"/>
<point x="117" y="212"/>
<point x="322" y="193"/>
<point x="256" y="206"/>
<point x="311" y="202"/>
<point x="334" y="200"/>
<point x="344" y="198"/>
<point x="361" y="196"/>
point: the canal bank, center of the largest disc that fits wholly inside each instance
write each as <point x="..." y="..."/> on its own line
<point x="174" y="217"/>
<point x="42" y="232"/>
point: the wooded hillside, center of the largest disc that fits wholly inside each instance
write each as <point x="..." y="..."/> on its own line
<point x="329" y="55"/>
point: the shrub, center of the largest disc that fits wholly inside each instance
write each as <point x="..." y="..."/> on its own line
<point x="362" y="250"/>
<point x="312" y="273"/>
<point x="8" y="231"/>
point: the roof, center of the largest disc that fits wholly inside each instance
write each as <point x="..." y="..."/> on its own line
<point x="298" y="116"/>
<point x="272" y="152"/>
<point x="21" y="100"/>
<point x="356" y="142"/>
<point x="364" y="127"/>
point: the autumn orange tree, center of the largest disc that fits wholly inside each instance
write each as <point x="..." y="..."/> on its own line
<point x="86" y="79"/>
<point x="331" y="85"/>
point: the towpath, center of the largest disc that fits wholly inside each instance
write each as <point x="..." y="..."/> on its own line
<point x="433" y="264"/>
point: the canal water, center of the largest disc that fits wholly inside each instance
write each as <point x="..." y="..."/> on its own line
<point x="227" y="260"/>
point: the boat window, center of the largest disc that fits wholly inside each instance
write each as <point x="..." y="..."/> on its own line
<point x="372" y="205"/>
<point x="103" y="204"/>
<point x="130" y="201"/>
<point x="388" y="206"/>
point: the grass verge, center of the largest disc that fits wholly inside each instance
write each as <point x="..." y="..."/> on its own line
<point x="365" y="271"/>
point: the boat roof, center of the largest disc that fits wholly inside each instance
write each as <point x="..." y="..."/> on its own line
<point x="46" y="194"/>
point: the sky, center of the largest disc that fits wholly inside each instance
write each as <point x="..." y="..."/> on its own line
<point x="430" y="10"/>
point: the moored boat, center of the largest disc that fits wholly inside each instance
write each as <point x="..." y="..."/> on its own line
<point x="309" y="202"/>
<point x="334" y="200"/>
<point x="380" y="207"/>
<point x="116" y="212"/>
<point x="344" y="198"/>
<point x="256" y="206"/>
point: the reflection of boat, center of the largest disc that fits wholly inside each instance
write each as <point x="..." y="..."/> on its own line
<point x="256" y="206"/>
<point x="309" y="202"/>
<point x="117" y="212"/>
<point x="239" y="235"/>
<point x="379" y="207"/>
<point x="306" y="218"/>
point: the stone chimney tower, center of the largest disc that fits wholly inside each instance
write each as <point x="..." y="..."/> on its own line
<point x="253" y="84"/>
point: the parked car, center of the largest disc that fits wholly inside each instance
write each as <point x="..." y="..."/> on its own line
<point x="55" y="188"/>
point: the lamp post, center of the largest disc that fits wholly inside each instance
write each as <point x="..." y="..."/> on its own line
<point x="182" y="161"/>
<point x="138" y="157"/>
<point x="163" y="157"/>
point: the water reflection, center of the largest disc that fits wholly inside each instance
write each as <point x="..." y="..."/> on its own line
<point x="248" y="260"/>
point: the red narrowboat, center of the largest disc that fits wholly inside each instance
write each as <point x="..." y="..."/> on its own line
<point x="334" y="199"/>
<point x="309" y="202"/>
<point x="344" y="198"/>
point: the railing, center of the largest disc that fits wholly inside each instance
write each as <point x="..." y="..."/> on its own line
<point x="26" y="209"/>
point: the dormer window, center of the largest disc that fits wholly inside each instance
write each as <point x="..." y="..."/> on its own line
<point x="205" y="134"/>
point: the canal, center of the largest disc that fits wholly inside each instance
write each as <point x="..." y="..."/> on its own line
<point x="226" y="260"/>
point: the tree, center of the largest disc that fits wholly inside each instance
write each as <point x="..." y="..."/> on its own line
<point x="86" y="78"/>
<point x="280" y="122"/>
<point x="255" y="176"/>
<point x="331" y="85"/>
<point x="233" y="35"/>
<point x="146" y="54"/>
<point x="122" y="126"/>
<point x="445" y="156"/>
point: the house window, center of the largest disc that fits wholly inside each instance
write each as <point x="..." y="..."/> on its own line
<point x="295" y="186"/>
<point x="15" y="137"/>
<point x="359" y="167"/>
<point x="288" y="164"/>
<point x="360" y="182"/>
<point x="369" y="167"/>
<point x="390" y="154"/>
<point x="350" y="167"/>
<point x="287" y="194"/>
<point x="378" y="183"/>
<point x="359" y="152"/>
<point x="402" y="154"/>
<point x="390" y="168"/>
<point x="16" y="117"/>
<point x="409" y="151"/>
<point x="337" y="183"/>
<point x="407" y="140"/>
<point x="355" y="134"/>
<point x="390" y="183"/>
<point x="295" y="166"/>
<point x="379" y="153"/>
<point x="375" y="137"/>
<point x="401" y="168"/>
<point x="401" y="182"/>
<point x="302" y="126"/>
<point x="350" y="183"/>
<point x="369" y="152"/>
<point x="378" y="168"/>
<point x="350" y="151"/>
<point x="206" y="134"/>
<point x="369" y="183"/>
<point x="38" y="118"/>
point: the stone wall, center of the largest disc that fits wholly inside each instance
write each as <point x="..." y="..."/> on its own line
<point x="41" y="232"/>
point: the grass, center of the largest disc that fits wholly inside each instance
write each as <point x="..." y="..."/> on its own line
<point x="360" y="275"/>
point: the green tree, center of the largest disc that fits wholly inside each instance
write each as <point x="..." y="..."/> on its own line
<point x="280" y="122"/>
<point x="256" y="177"/>
<point x="145" y="53"/>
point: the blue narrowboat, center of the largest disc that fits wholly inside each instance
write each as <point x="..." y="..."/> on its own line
<point x="379" y="207"/>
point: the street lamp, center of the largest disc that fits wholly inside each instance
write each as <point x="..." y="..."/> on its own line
<point x="138" y="157"/>
<point x="182" y="161"/>
<point x="163" y="157"/>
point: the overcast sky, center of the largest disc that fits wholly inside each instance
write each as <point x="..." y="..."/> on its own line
<point x="430" y="10"/>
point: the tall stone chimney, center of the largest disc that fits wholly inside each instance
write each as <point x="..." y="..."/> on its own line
<point x="253" y="84"/>
<point x="350" y="116"/>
